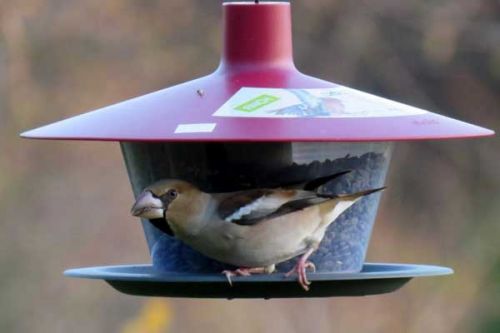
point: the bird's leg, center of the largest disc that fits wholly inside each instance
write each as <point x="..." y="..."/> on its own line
<point x="301" y="267"/>
<point x="247" y="271"/>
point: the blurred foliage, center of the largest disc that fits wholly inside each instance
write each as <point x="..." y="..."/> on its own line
<point x="155" y="317"/>
<point x="59" y="58"/>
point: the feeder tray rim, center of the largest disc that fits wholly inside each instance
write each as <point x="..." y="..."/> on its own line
<point x="149" y="283"/>
<point x="396" y="270"/>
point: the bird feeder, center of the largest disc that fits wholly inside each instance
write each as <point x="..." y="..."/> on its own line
<point x="257" y="122"/>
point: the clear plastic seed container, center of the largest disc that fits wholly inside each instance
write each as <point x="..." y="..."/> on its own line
<point x="222" y="167"/>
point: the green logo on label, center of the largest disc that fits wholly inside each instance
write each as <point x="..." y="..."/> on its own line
<point x="256" y="103"/>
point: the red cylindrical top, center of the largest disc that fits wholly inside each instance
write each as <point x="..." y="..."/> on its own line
<point x="257" y="34"/>
<point x="257" y="70"/>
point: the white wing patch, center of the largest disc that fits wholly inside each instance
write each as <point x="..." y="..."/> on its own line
<point x="260" y="207"/>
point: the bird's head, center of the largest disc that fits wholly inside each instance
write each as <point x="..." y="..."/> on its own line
<point x="166" y="195"/>
<point x="173" y="206"/>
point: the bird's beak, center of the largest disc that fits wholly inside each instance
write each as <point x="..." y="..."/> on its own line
<point x="148" y="207"/>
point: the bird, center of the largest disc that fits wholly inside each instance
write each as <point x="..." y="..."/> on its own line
<point x="253" y="229"/>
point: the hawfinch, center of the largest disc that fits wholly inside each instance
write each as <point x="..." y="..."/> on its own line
<point x="252" y="229"/>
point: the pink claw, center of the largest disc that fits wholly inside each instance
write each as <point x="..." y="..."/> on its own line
<point x="301" y="267"/>
<point x="242" y="271"/>
<point x="237" y="272"/>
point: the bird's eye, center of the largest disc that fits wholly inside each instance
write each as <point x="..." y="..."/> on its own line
<point x="169" y="196"/>
<point x="172" y="194"/>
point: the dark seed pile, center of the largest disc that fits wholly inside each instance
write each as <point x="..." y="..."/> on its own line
<point x="343" y="248"/>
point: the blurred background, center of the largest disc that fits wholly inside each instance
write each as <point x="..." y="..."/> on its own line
<point x="66" y="204"/>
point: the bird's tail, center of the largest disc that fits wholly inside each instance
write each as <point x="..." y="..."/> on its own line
<point x="353" y="196"/>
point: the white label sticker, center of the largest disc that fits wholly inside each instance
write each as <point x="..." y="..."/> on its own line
<point x="195" y="128"/>
<point x="336" y="102"/>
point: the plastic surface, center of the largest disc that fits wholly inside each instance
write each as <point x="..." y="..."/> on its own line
<point x="218" y="167"/>
<point x="257" y="53"/>
<point x="143" y="280"/>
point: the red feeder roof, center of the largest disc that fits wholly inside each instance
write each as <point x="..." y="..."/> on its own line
<point x="288" y="106"/>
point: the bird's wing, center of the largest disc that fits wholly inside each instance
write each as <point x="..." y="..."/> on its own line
<point x="257" y="211"/>
<point x="297" y="205"/>
<point x="248" y="207"/>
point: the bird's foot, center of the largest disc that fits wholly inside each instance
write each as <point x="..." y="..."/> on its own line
<point x="301" y="268"/>
<point x="245" y="271"/>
